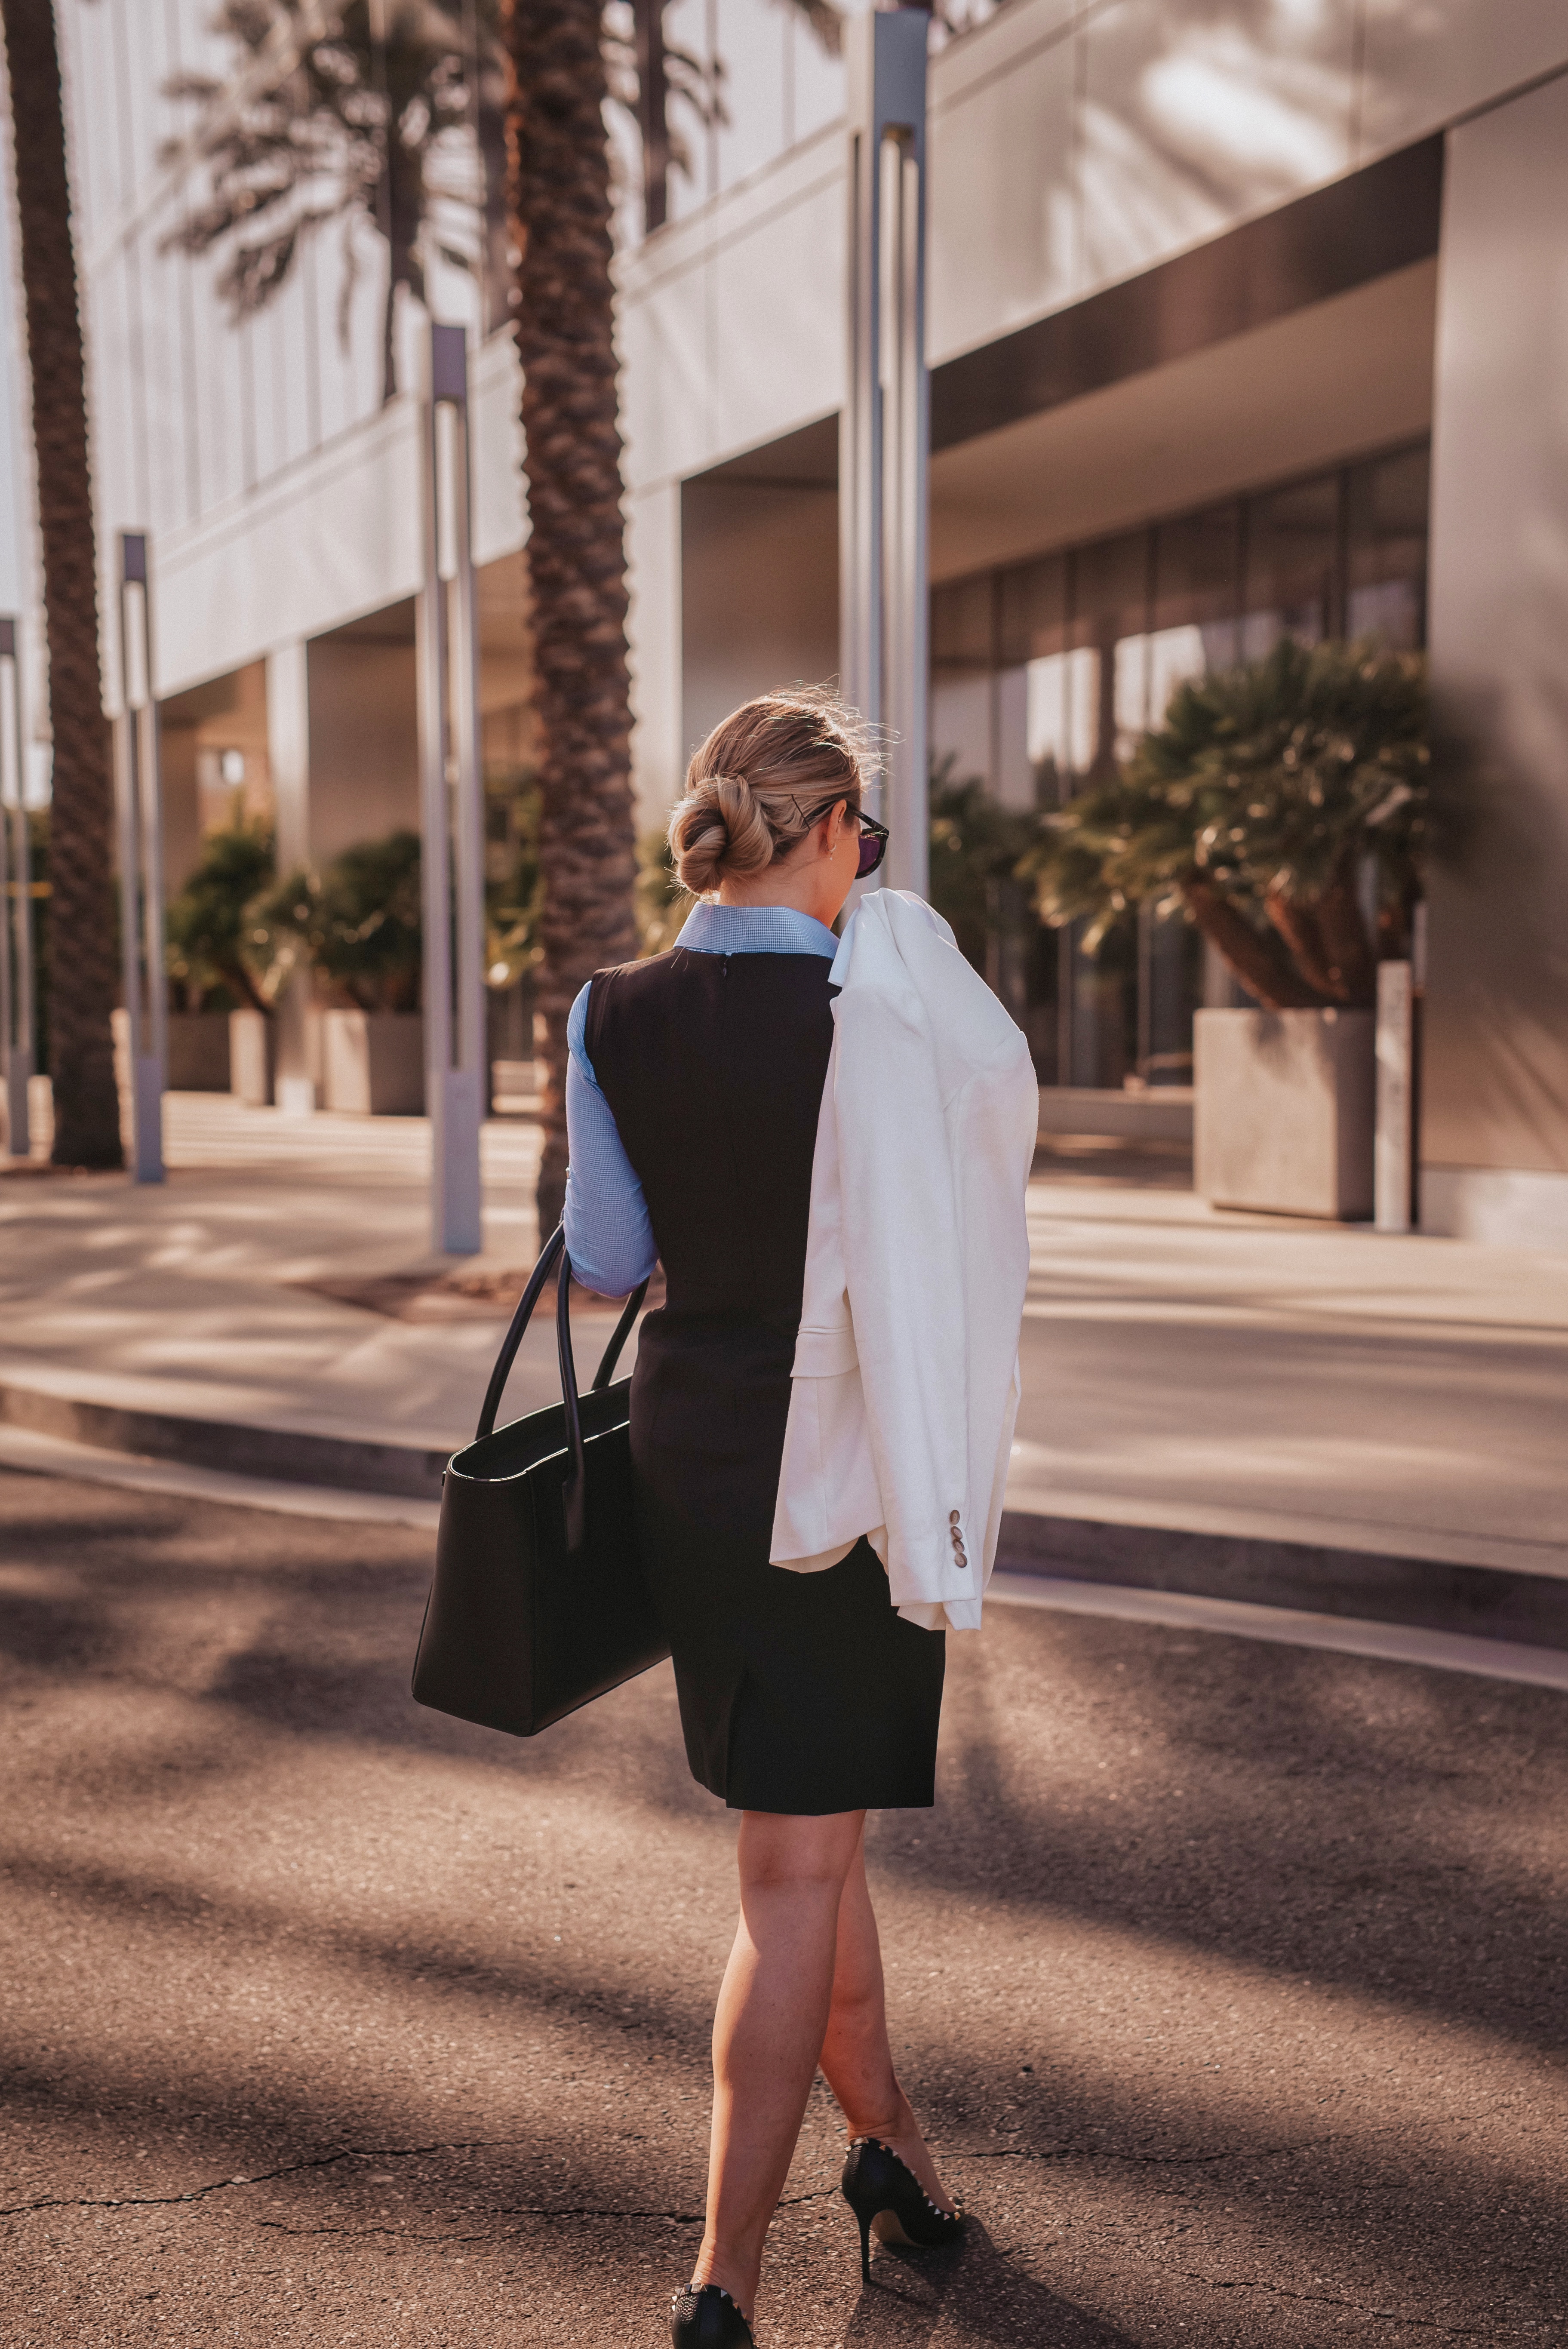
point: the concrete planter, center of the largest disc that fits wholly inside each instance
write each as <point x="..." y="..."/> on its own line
<point x="1285" y="1109"/>
<point x="1164" y="1113"/>
<point x="373" y="1062"/>
<point x="199" y="1052"/>
<point x="252" y="1057"/>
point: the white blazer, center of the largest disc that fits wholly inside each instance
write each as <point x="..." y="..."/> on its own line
<point x="905" y="1383"/>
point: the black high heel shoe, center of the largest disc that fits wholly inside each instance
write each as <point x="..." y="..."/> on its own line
<point x="883" y="2192"/>
<point x="703" y="2316"/>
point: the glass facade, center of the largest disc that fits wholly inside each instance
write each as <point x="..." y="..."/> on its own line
<point x="1044" y="674"/>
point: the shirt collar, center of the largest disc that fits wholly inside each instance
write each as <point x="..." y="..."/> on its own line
<point x="754" y="929"/>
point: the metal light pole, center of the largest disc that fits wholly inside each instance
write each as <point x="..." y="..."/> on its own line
<point x="885" y="433"/>
<point x="452" y="809"/>
<point x="139" y="805"/>
<point x="15" y="902"/>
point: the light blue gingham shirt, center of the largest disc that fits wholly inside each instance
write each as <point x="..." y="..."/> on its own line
<point x="608" y="1236"/>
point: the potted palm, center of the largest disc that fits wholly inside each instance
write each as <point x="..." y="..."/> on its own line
<point x="220" y="1017"/>
<point x="1283" y="807"/>
<point x="357" y="925"/>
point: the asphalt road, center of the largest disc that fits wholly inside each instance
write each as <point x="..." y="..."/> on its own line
<point x="1227" y="1977"/>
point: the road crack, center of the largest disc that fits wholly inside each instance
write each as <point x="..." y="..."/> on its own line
<point x="256" y="2178"/>
<point x="1354" y="2307"/>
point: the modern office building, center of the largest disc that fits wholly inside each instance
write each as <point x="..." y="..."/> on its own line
<point x="1244" y="315"/>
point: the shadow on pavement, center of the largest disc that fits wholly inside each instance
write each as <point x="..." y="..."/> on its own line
<point x="911" y="2295"/>
<point x="1219" y="1970"/>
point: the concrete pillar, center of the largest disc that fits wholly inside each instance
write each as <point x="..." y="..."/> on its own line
<point x="1494" y="1085"/>
<point x="288" y="758"/>
<point x="182" y="806"/>
<point x="364" y="748"/>
<point x="659" y="745"/>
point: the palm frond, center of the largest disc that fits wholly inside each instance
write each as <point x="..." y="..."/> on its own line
<point x="1271" y="785"/>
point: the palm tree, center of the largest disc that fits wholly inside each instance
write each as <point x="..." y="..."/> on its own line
<point x="82" y="978"/>
<point x="331" y="142"/>
<point x="355" y="132"/>
<point x="1259" y="804"/>
<point x="577" y="565"/>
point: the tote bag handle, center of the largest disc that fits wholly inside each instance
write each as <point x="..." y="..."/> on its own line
<point x="554" y="1248"/>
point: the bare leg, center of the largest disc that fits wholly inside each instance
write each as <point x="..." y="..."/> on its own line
<point x="773" y="2011"/>
<point x="856" y="2059"/>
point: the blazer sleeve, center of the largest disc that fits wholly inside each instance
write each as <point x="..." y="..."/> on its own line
<point x="902" y="1257"/>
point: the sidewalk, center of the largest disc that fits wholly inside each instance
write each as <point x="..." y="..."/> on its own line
<point x="1231" y="1376"/>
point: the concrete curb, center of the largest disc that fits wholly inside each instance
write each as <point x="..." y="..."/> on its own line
<point x="1358" y="1585"/>
<point x="412" y="1472"/>
<point x="1365" y="1586"/>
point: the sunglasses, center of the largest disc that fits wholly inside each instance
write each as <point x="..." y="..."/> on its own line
<point x="873" y="838"/>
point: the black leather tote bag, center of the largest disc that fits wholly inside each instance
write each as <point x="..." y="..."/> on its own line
<point x="539" y="1604"/>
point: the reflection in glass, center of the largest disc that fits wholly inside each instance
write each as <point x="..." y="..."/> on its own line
<point x="1386" y="554"/>
<point x="1110" y="613"/>
<point x="960" y="623"/>
<point x="1044" y="675"/>
<point x="1032" y="611"/>
<point x="1196" y="612"/>
<point x="1174" y="656"/>
<point x="963" y="665"/>
<point x="1292" y="564"/>
<point x="1062" y="720"/>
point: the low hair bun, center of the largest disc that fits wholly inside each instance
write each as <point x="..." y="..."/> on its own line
<point x="719" y="831"/>
<point x="759" y="782"/>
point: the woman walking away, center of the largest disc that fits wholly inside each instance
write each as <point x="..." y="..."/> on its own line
<point x="826" y="1144"/>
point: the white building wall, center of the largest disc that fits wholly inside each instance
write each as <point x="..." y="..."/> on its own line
<point x="258" y="458"/>
<point x="1072" y="144"/>
<point x="1071" y="147"/>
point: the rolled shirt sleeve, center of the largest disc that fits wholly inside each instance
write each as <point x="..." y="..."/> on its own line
<point x="608" y="1236"/>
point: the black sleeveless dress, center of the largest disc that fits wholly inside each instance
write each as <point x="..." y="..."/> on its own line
<point x="803" y="1694"/>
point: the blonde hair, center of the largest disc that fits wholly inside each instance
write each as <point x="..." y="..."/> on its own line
<point x="761" y="777"/>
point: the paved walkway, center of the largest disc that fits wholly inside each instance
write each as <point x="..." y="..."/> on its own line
<point x="1227" y="1977"/>
<point x="1216" y="1373"/>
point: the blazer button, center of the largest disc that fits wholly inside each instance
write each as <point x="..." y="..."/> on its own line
<point x="953" y="1517"/>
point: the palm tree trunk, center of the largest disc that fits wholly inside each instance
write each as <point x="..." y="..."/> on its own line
<point x="565" y="337"/>
<point x="82" y="979"/>
<point x="1255" y="956"/>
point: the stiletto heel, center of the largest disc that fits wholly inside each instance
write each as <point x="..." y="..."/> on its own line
<point x="703" y="2316"/>
<point x="884" y="2193"/>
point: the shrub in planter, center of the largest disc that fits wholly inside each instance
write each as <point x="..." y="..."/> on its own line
<point x="976" y="847"/>
<point x="223" y="977"/>
<point x="1256" y="807"/>
<point x="1285" y="807"/>
<point x="357" y="924"/>
<point x="514" y="883"/>
<point x="209" y="926"/>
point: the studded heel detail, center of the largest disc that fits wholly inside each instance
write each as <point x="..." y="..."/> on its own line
<point x="884" y="2193"/>
<point x="703" y="2316"/>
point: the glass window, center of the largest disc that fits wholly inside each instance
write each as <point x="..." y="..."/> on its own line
<point x="960" y="623"/>
<point x="1196" y="615"/>
<point x="1061" y="719"/>
<point x="1385" y="555"/>
<point x="1043" y="715"/>
<point x="1044" y="674"/>
<point x="1292" y="564"/>
<point x="1111" y="624"/>
<point x="1032" y="612"/>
